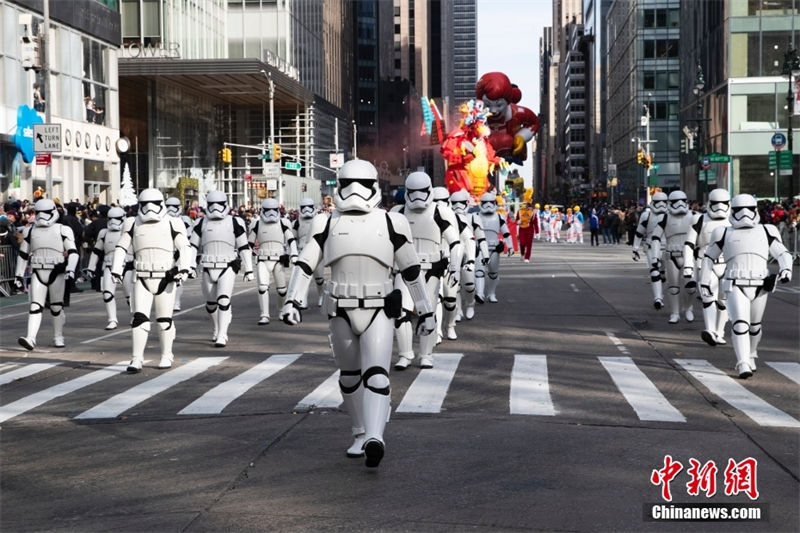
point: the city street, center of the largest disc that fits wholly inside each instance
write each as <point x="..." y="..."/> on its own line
<point x="553" y="411"/>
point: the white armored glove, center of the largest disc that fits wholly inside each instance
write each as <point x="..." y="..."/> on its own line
<point x="785" y="275"/>
<point x="180" y="276"/>
<point x="688" y="271"/>
<point x="69" y="275"/>
<point x="636" y="255"/>
<point x="19" y="283"/>
<point x="426" y="324"/>
<point x="116" y="278"/>
<point x="290" y="313"/>
<point x="88" y="274"/>
<point x="249" y="276"/>
<point x="454" y="278"/>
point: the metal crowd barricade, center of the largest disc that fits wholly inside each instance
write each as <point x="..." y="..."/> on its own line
<point x="8" y="261"/>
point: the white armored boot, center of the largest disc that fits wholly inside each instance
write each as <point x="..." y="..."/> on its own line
<point x="405" y="340"/>
<point x="492" y="287"/>
<point x="58" y="328"/>
<point x="139" y="336"/>
<point x="376" y="413"/>
<point x="710" y="314"/>
<point x="166" y="338"/>
<point x="263" y="304"/>
<point x="111" y="312"/>
<point x="354" y="403"/>
<point x="225" y="317"/>
<point x="34" y="322"/>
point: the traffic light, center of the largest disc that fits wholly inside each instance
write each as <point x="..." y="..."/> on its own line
<point x="276" y="152"/>
<point x="648" y="161"/>
<point x="640" y="157"/>
<point x="225" y="155"/>
<point x="685" y="145"/>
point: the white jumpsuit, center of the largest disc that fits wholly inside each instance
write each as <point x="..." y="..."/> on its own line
<point x="275" y="249"/>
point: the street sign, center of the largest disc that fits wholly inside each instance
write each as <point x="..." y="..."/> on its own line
<point x="655" y="167"/>
<point x="778" y="141"/>
<point x="785" y="159"/>
<point x="293" y="165"/>
<point x="719" y="158"/>
<point x="272" y="170"/>
<point x="44" y="159"/>
<point x="705" y="162"/>
<point x="47" y="137"/>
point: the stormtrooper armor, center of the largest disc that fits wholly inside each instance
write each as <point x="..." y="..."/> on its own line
<point x="107" y="240"/>
<point x="174" y="209"/>
<point x="648" y="221"/>
<point x="49" y="248"/>
<point x="152" y="238"/>
<point x="435" y="237"/>
<point x="496" y="231"/>
<point x="746" y="246"/>
<point x="276" y="248"/>
<point x="361" y="244"/>
<point x="697" y="240"/>
<point x="451" y="286"/>
<point x="222" y="249"/>
<point x="473" y="242"/>
<point x="669" y="235"/>
<point x="301" y="228"/>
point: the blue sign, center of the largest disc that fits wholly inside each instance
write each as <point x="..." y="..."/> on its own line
<point x="778" y="141"/>
<point x="23" y="138"/>
<point x="705" y="163"/>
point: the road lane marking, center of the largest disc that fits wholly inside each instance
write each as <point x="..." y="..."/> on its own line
<point x="736" y="395"/>
<point x="218" y="398"/>
<point x="326" y="396"/>
<point x="790" y="370"/>
<point x="574" y="288"/>
<point x="123" y="401"/>
<point x="25" y="371"/>
<point x="34" y="400"/>
<point x="530" y="389"/>
<point x="427" y="392"/>
<point x="618" y="343"/>
<point x="639" y="391"/>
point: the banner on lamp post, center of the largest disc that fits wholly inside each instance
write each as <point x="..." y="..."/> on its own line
<point x="795" y="97"/>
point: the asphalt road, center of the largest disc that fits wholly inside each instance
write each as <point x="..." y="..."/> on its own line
<point x="550" y="412"/>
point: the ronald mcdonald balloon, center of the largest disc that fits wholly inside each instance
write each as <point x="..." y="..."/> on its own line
<point x="469" y="156"/>
<point x="512" y="125"/>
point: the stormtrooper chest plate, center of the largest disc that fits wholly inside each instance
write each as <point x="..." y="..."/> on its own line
<point x="359" y="235"/>
<point x="46" y="246"/>
<point x="270" y="239"/>
<point x="491" y="227"/>
<point x="675" y="230"/>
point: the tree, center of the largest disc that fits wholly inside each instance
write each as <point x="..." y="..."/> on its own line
<point x="127" y="193"/>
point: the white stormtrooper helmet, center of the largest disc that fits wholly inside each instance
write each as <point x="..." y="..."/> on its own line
<point x="307" y="208"/>
<point x="658" y="203"/>
<point x="719" y="203"/>
<point x="270" y="211"/>
<point x="419" y="193"/>
<point x="459" y="202"/>
<point x="357" y="187"/>
<point x="744" y="211"/>
<point x="151" y="205"/>
<point x="46" y="212"/>
<point x="217" y="205"/>
<point x="116" y="218"/>
<point x="488" y="203"/>
<point x="678" y="203"/>
<point x="173" y="206"/>
<point x="441" y="195"/>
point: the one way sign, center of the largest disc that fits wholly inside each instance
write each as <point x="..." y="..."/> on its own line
<point x="47" y="137"/>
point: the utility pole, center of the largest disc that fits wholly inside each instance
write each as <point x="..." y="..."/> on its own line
<point x="46" y="90"/>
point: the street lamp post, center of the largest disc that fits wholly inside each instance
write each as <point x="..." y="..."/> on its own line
<point x="699" y="85"/>
<point x="791" y="69"/>
<point x="268" y="75"/>
<point x="355" y="140"/>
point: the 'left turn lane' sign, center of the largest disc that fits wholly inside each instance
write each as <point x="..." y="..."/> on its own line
<point x="47" y="137"/>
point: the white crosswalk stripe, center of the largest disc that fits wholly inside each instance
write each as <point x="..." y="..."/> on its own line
<point x="735" y="394"/>
<point x="35" y="400"/>
<point x="215" y="400"/>
<point x="640" y="392"/>
<point x="790" y="370"/>
<point x="327" y="395"/>
<point x="25" y="371"/>
<point x="426" y="394"/>
<point x="530" y="390"/>
<point x="120" y="403"/>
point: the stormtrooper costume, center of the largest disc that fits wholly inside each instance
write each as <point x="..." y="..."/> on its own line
<point x="473" y="240"/>
<point x="49" y="248"/>
<point x="301" y="228"/>
<point x="670" y="235"/>
<point x="449" y="290"/>
<point x="276" y="249"/>
<point x="648" y="221"/>
<point x="103" y="249"/>
<point x="435" y="238"/>
<point x="361" y="244"/>
<point x="174" y="209"/>
<point x="496" y="230"/>
<point x="746" y="246"/>
<point x="697" y="240"/>
<point x="152" y="238"/>
<point x="220" y="242"/>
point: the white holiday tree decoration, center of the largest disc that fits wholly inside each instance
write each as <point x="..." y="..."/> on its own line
<point x="127" y="193"/>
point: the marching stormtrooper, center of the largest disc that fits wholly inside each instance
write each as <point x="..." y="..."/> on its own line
<point x="174" y="209"/>
<point x="669" y="235"/>
<point x="496" y="231"/>
<point x="220" y="241"/>
<point x="746" y="246"/>
<point x="697" y="240"/>
<point x="473" y="240"/>
<point x="436" y="239"/>
<point x="49" y="248"/>
<point x="648" y="221"/>
<point x="361" y="244"/>
<point x="152" y="238"/>
<point x="301" y="228"/>
<point x="104" y="248"/>
<point x="276" y="249"/>
<point x="451" y="286"/>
